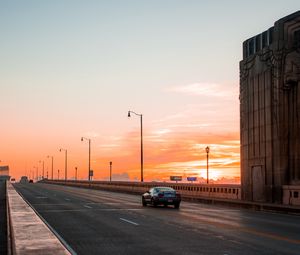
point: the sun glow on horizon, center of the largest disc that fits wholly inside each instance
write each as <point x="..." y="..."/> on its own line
<point x="65" y="91"/>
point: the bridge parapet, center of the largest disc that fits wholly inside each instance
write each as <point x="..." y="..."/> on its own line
<point x="222" y="191"/>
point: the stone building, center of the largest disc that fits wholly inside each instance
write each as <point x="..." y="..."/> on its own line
<point x="270" y="111"/>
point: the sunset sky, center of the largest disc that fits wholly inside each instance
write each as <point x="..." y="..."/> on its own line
<point x="74" y="68"/>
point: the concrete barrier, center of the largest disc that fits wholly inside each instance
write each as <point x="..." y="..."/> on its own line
<point x="187" y="190"/>
<point x="9" y="240"/>
<point x="29" y="234"/>
<point x="228" y="195"/>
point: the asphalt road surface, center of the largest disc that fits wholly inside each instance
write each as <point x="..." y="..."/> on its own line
<point x="100" y="222"/>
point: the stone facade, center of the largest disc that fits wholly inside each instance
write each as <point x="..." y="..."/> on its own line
<point x="270" y="111"/>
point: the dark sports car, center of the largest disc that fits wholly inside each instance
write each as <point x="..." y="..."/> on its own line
<point x="161" y="196"/>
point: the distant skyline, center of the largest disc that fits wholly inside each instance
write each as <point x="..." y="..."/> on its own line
<point x="74" y="68"/>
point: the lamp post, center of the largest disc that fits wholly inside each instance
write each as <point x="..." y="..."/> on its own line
<point x="37" y="173"/>
<point x="58" y="174"/>
<point x="75" y="173"/>
<point x="110" y="170"/>
<point x="89" y="140"/>
<point x="207" y="153"/>
<point x="142" y="154"/>
<point x="66" y="162"/>
<point x="42" y="168"/>
<point x="51" y="166"/>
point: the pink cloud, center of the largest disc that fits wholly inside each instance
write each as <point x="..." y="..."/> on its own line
<point x="205" y="89"/>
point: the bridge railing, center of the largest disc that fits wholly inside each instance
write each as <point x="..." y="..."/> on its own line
<point x="222" y="191"/>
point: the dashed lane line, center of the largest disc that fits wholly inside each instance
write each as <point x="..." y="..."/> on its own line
<point x="129" y="221"/>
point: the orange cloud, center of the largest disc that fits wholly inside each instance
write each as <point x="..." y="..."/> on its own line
<point x="167" y="153"/>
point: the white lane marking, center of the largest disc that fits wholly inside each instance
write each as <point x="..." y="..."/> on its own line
<point x="103" y="203"/>
<point x="86" y="206"/>
<point x="67" y="199"/>
<point x="129" y="221"/>
<point x="41" y="197"/>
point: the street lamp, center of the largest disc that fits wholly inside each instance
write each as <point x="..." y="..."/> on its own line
<point x="75" y="173"/>
<point x="207" y="152"/>
<point x="66" y="159"/>
<point x="142" y="154"/>
<point x="110" y="170"/>
<point x="89" y="140"/>
<point x="51" y="166"/>
<point x="43" y="168"/>
<point x="58" y="174"/>
<point x="37" y="173"/>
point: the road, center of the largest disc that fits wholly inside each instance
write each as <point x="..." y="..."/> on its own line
<point x="100" y="222"/>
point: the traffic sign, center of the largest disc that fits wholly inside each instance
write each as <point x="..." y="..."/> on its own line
<point x="176" y="178"/>
<point x="191" y="179"/>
